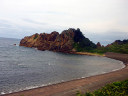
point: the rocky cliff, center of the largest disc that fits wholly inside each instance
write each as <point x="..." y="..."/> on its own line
<point x="68" y="41"/>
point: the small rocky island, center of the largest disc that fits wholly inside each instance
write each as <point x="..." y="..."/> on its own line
<point x="70" y="40"/>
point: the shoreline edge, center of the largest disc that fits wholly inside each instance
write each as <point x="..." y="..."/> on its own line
<point x="91" y="83"/>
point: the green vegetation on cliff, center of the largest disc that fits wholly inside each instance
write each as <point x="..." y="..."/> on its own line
<point x="114" y="89"/>
<point x="117" y="47"/>
<point x="82" y="43"/>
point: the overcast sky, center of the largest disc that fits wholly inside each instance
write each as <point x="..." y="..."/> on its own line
<point x="99" y="20"/>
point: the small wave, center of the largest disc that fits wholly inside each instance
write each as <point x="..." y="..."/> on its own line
<point x="123" y="66"/>
<point x="3" y="93"/>
<point x="49" y="83"/>
<point x="62" y="80"/>
<point x="10" y="92"/>
<point x="44" y="85"/>
<point x="23" y="50"/>
<point x="21" y="89"/>
<point x="26" y="88"/>
<point x="49" y="64"/>
<point x="104" y="72"/>
<point x="31" y="87"/>
<point x="35" y="48"/>
<point x="115" y="69"/>
<point x="20" y="64"/>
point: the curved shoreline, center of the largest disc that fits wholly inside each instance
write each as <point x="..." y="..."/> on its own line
<point x="70" y="88"/>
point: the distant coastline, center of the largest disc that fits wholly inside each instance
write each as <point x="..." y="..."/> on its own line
<point x="72" y="41"/>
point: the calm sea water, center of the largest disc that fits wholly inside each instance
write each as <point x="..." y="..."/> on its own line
<point x="25" y="68"/>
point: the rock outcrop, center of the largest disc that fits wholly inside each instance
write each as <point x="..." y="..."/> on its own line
<point x="118" y="42"/>
<point x="98" y="45"/>
<point x="69" y="40"/>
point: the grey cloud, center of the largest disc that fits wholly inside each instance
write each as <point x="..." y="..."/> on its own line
<point x="4" y="24"/>
<point x="35" y="22"/>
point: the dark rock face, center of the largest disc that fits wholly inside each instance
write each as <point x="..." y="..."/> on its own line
<point x="98" y="45"/>
<point x="55" y="42"/>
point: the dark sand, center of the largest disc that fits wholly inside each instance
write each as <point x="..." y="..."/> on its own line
<point x="86" y="84"/>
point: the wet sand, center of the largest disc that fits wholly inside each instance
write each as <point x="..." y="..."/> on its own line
<point x="85" y="84"/>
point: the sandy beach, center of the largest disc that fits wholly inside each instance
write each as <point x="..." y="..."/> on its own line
<point x="85" y="84"/>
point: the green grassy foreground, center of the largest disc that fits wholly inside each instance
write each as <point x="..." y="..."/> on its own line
<point x="113" y="89"/>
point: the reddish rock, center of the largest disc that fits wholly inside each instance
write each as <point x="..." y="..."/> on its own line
<point x="54" y="42"/>
<point x="98" y="45"/>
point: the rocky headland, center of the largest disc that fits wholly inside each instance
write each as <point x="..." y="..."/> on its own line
<point x="70" y="40"/>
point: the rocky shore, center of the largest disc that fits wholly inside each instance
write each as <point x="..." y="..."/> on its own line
<point x="84" y="84"/>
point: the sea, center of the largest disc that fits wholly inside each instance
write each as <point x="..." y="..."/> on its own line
<point x="23" y="68"/>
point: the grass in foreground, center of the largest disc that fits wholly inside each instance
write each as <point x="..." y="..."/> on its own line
<point x="113" y="89"/>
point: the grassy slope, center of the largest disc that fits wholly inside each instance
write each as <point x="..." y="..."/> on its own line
<point x="112" y="48"/>
<point x="114" y="89"/>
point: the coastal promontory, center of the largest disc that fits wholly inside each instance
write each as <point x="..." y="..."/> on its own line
<point x="68" y="41"/>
